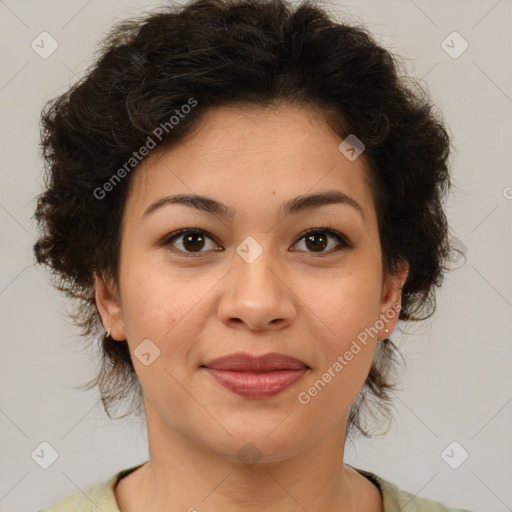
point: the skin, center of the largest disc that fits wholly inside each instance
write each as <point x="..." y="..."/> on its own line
<point x="293" y="299"/>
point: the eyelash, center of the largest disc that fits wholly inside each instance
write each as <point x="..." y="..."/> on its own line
<point x="342" y="240"/>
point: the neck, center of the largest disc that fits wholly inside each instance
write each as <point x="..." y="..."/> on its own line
<point x="183" y="475"/>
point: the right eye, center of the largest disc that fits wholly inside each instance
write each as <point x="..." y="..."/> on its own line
<point x="190" y="241"/>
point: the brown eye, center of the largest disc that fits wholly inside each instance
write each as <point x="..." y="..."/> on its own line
<point x="193" y="241"/>
<point x="190" y="241"/>
<point x="317" y="240"/>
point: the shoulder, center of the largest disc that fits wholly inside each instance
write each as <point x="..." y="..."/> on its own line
<point x="98" y="497"/>
<point x="396" y="499"/>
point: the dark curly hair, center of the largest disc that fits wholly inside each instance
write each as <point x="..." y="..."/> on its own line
<point x="245" y="52"/>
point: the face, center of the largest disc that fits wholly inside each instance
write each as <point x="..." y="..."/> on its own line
<point x="254" y="281"/>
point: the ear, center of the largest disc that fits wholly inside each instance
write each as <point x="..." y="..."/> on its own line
<point x="109" y="306"/>
<point x="391" y="299"/>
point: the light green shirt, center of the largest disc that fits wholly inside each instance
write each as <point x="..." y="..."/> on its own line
<point x="101" y="497"/>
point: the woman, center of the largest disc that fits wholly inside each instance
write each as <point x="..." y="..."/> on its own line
<point x="248" y="198"/>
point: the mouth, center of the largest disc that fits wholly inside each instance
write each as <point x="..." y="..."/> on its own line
<point x="256" y="377"/>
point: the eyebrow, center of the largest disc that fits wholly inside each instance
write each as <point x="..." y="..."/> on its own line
<point x="292" y="206"/>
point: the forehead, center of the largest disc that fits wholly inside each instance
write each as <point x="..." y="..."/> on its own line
<point x="241" y="154"/>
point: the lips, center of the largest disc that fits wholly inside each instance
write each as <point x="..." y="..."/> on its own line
<point x="256" y="376"/>
<point x="242" y="362"/>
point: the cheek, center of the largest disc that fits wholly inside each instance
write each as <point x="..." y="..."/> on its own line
<point x="346" y="302"/>
<point x="165" y="309"/>
<point x="345" y="353"/>
<point x="344" y="339"/>
<point x="153" y="300"/>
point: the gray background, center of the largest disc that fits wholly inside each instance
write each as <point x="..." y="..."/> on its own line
<point x="456" y="386"/>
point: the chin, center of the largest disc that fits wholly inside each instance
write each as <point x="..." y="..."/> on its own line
<point x="267" y="445"/>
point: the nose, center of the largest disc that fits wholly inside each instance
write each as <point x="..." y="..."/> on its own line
<point x="257" y="296"/>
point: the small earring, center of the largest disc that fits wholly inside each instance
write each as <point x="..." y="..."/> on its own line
<point x="385" y="330"/>
<point x="108" y="333"/>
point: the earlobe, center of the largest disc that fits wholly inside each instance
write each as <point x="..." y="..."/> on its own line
<point x="108" y="304"/>
<point x="392" y="299"/>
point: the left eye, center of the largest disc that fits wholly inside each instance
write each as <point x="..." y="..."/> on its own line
<point x="193" y="241"/>
<point x="318" y="239"/>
